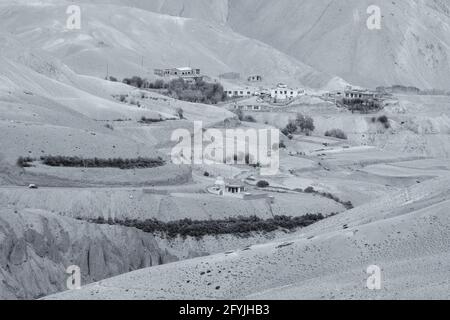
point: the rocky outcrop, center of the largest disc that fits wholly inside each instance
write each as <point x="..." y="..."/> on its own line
<point x="36" y="248"/>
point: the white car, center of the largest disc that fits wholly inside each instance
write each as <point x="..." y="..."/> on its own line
<point x="32" y="186"/>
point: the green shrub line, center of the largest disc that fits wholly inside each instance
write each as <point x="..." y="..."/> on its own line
<point x="146" y="120"/>
<point x="78" y="162"/>
<point x="347" y="204"/>
<point x="239" y="226"/>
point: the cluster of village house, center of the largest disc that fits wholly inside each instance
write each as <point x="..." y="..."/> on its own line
<point x="253" y="102"/>
<point x="280" y="93"/>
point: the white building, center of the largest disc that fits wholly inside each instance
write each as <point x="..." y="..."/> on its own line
<point x="251" y="104"/>
<point x="283" y="92"/>
<point x="228" y="188"/>
<point x="240" y="92"/>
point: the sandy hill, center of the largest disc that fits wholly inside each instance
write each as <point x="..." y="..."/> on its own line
<point x="131" y="42"/>
<point x="407" y="238"/>
<point x="410" y="49"/>
<point x="46" y="108"/>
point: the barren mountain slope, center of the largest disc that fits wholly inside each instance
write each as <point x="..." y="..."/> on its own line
<point x="46" y="108"/>
<point x="129" y="41"/>
<point x="406" y="234"/>
<point x="38" y="246"/>
<point x="410" y="49"/>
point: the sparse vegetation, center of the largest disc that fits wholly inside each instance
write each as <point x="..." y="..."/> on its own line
<point x="24" y="162"/>
<point x="263" y="184"/>
<point x="198" y="92"/>
<point x="336" y="133"/>
<point x="303" y="124"/>
<point x="180" y="113"/>
<point x="242" y="117"/>
<point x="150" y="120"/>
<point x="384" y="120"/>
<point x="249" y="119"/>
<point x="239" y="114"/>
<point x="78" y="162"/>
<point x="158" y="84"/>
<point x="135" y="81"/>
<point x="290" y="129"/>
<point x="362" y="106"/>
<point x="240" y="226"/>
<point x="347" y="204"/>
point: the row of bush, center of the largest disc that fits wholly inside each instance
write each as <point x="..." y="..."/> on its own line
<point x="78" y="162"/>
<point x="347" y="204"/>
<point x="240" y="226"/>
<point x="150" y="120"/>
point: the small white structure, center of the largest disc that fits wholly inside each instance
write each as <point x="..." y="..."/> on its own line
<point x="228" y="188"/>
<point x="283" y="92"/>
<point x="235" y="188"/>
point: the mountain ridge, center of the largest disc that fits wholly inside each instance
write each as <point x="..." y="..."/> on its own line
<point x="411" y="48"/>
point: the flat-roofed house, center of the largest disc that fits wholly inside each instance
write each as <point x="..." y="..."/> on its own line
<point x="187" y="73"/>
<point x="228" y="187"/>
<point x="252" y="104"/>
<point x="283" y="92"/>
<point x="254" y="78"/>
<point x="354" y="94"/>
<point x="240" y="92"/>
